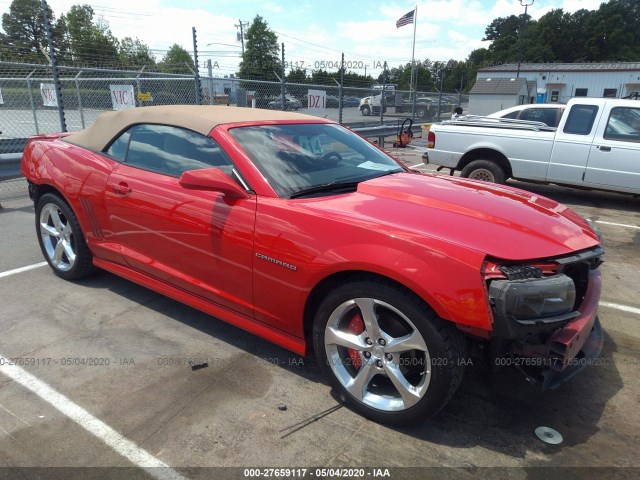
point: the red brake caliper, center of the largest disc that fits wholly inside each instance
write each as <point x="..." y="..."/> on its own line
<point x="356" y="326"/>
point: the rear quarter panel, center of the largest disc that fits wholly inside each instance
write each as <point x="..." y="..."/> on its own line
<point x="79" y="175"/>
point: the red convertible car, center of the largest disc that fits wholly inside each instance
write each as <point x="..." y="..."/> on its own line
<point x="302" y="232"/>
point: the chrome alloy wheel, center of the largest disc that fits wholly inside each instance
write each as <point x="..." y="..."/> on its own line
<point x="377" y="354"/>
<point x="57" y="237"/>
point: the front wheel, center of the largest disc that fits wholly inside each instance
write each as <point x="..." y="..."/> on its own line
<point x="387" y="354"/>
<point x="61" y="239"/>
<point x="486" y="170"/>
<point x="366" y="111"/>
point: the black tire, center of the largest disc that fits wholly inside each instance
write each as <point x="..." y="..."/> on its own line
<point x="421" y="112"/>
<point x="433" y="366"/>
<point x="61" y="239"/>
<point x="486" y="170"/>
<point x="366" y="111"/>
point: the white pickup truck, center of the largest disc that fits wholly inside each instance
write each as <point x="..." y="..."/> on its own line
<point x="596" y="145"/>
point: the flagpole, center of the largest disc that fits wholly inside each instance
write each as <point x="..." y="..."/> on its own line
<point x="413" y="51"/>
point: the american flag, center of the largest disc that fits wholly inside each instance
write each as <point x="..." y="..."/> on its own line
<point x="406" y="19"/>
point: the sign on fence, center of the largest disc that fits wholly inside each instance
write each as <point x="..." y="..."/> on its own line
<point x="122" y="97"/>
<point x="48" y="93"/>
<point x="316" y="101"/>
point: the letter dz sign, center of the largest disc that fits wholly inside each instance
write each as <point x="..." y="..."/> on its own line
<point x="316" y="100"/>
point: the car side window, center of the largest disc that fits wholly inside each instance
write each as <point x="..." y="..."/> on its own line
<point x="551" y="116"/>
<point x="533" y="114"/>
<point x="580" y="120"/>
<point x="118" y="148"/>
<point x="623" y="125"/>
<point x="171" y="150"/>
<point x="511" y="115"/>
<point x="548" y="116"/>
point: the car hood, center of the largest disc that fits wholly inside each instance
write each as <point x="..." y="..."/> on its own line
<point x="499" y="221"/>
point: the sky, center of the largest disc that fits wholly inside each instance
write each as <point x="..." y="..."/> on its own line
<point x="314" y="31"/>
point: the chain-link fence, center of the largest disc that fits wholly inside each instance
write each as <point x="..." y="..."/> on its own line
<point x="29" y="106"/>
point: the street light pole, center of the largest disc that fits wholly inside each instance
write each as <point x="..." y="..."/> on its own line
<point x="440" y="96"/>
<point x="525" y="4"/>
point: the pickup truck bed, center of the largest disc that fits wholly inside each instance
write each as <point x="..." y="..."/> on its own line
<point x="596" y="146"/>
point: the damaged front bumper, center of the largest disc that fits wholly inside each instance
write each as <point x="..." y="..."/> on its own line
<point x="553" y="348"/>
<point x="577" y="344"/>
<point x="574" y="346"/>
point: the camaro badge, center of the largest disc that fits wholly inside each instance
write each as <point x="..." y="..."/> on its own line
<point x="276" y="261"/>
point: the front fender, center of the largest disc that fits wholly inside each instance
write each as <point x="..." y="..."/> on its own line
<point x="450" y="284"/>
<point x="299" y="245"/>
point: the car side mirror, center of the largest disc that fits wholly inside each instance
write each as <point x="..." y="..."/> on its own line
<point x="212" y="179"/>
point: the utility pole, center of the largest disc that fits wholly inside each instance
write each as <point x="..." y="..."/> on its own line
<point x="442" y="70"/>
<point x="383" y="102"/>
<point x="241" y="26"/>
<point x="526" y="4"/>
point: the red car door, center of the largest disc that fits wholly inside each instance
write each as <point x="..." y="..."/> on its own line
<point x="199" y="241"/>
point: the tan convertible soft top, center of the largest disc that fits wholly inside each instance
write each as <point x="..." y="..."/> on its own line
<point x="199" y="118"/>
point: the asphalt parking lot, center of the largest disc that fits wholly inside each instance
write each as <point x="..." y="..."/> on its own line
<point x="106" y="374"/>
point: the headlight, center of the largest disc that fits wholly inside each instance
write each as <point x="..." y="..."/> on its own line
<point x="533" y="298"/>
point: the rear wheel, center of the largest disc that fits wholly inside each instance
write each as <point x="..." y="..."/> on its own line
<point x="486" y="170"/>
<point x="61" y="239"/>
<point x="387" y="355"/>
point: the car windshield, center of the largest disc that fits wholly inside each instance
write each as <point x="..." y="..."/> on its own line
<point x="302" y="157"/>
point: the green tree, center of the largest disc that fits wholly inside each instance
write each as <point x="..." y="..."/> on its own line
<point x="135" y="53"/>
<point x="177" y="60"/>
<point x="578" y="28"/>
<point x="91" y="42"/>
<point x="554" y="27"/>
<point x="323" y="77"/>
<point x="353" y="79"/>
<point x="25" y="35"/>
<point x="610" y="32"/>
<point x="261" y="54"/>
<point x="298" y="75"/>
<point x="479" y="58"/>
<point x="504" y="34"/>
<point x="401" y="76"/>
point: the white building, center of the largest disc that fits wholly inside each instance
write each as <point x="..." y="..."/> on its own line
<point x="489" y="95"/>
<point x="558" y="82"/>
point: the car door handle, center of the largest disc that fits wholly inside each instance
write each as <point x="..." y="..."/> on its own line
<point x="603" y="149"/>
<point x="122" y="189"/>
